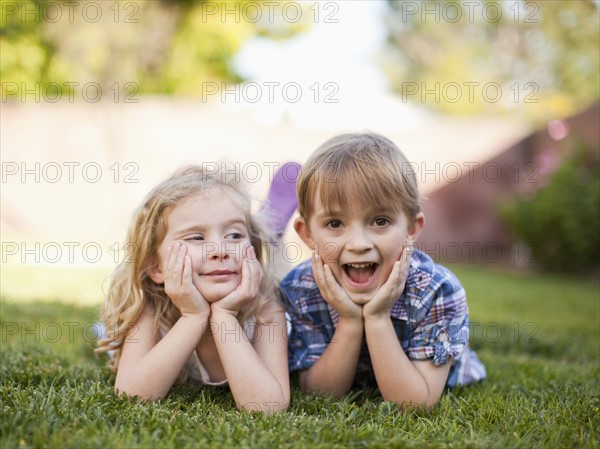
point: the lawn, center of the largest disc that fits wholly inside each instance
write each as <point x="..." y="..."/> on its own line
<point x="538" y="336"/>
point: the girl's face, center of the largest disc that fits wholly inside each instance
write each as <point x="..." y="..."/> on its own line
<point x="215" y="232"/>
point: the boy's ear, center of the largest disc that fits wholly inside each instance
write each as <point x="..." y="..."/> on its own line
<point x="155" y="273"/>
<point x="303" y="231"/>
<point x="417" y="227"/>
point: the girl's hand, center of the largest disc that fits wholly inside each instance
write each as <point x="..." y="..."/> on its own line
<point x="381" y="304"/>
<point x="246" y="292"/>
<point x="332" y="292"/>
<point x="179" y="286"/>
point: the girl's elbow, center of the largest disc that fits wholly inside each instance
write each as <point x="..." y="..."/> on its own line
<point x="265" y="407"/>
<point x="130" y="391"/>
<point x="276" y="407"/>
<point x="271" y="405"/>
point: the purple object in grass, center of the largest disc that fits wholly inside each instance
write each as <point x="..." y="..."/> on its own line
<point x="282" y="201"/>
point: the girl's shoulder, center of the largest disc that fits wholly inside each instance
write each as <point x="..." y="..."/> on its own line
<point x="270" y="312"/>
<point x="148" y="310"/>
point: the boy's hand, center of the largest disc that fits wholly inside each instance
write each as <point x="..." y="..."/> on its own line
<point x="179" y="286"/>
<point x="246" y="292"/>
<point x="383" y="301"/>
<point x="332" y="292"/>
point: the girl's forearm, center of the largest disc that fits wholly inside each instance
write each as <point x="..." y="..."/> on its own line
<point x="253" y="385"/>
<point x="153" y="375"/>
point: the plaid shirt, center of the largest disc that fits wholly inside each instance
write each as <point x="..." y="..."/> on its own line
<point x="431" y="320"/>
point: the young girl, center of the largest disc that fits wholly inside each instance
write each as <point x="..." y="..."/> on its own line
<point x="193" y="300"/>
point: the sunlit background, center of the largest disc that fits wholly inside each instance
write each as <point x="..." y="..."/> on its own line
<point x="496" y="103"/>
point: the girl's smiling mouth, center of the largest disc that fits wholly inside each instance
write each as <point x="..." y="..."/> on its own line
<point x="219" y="273"/>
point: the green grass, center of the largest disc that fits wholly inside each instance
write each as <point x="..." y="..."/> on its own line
<point x="538" y="336"/>
<point x="24" y="283"/>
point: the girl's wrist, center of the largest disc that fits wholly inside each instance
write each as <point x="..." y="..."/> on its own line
<point x="216" y="310"/>
<point x="200" y="315"/>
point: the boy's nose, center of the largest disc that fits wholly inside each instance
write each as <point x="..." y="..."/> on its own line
<point x="358" y="240"/>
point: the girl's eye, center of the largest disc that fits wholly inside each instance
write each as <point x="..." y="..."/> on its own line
<point x="195" y="238"/>
<point x="236" y="235"/>
<point x="381" y="221"/>
<point x="334" y="224"/>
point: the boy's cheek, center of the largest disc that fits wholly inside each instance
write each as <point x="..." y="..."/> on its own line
<point x="329" y="252"/>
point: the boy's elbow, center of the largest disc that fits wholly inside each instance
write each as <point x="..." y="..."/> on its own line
<point x="421" y="400"/>
<point x="331" y="391"/>
<point x="413" y="404"/>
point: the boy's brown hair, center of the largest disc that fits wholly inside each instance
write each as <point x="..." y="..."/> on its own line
<point x="364" y="167"/>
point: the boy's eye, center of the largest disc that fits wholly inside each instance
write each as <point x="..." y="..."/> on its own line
<point x="334" y="224"/>
<point x="381" y="221"/>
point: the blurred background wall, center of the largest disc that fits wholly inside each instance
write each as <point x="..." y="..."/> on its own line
<point x="496" y="104"/>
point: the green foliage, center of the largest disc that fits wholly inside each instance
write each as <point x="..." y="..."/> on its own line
<point x="538" y="59"/>
<point x="561" y="222"/>
<point x="542" y="389"/>
<point x="145" y="47"/>
<point x="27" y="53"/>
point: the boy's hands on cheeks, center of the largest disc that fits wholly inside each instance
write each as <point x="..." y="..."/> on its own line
<point x="179" y="286"/>
<point x="252" y="276"/>
<point x="332" y="292"/>
<point x="381" y="304"/>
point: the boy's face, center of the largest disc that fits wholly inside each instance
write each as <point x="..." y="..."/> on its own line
<point x="360" y="246"/>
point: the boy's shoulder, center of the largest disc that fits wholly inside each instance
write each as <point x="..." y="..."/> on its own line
<point x="301" y="276"/>
<point x="300" y="290"/>
<point x="425" y="274"/>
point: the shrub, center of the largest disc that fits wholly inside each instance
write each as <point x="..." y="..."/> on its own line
<point x="561" y="221"/>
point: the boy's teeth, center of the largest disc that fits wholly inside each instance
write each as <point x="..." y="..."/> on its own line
<point x="360" y="273"/>
<point x="359" y="265"/>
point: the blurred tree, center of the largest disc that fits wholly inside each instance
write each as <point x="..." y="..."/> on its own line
<point x="560" y="221"/>
<point x="539" y="60"/>
<point x="148" y="47"/>
<point x="25" y="54"/>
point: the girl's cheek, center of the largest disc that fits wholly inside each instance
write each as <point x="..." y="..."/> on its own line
<point x="239" y="251"/>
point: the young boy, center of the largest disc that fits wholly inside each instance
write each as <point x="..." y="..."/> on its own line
<point x="368" y="308"/>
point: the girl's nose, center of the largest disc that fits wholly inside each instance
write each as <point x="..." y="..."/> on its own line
<point x="219" y="251"/>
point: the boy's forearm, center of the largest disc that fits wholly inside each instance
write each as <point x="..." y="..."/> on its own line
<point x="335" y="370"/>
<point x="397" y="378"/>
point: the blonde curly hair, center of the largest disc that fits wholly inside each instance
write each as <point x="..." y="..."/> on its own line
<point x="131" y="288"/>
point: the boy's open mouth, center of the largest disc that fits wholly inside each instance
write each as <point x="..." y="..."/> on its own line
<point x="360" y="273"/>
